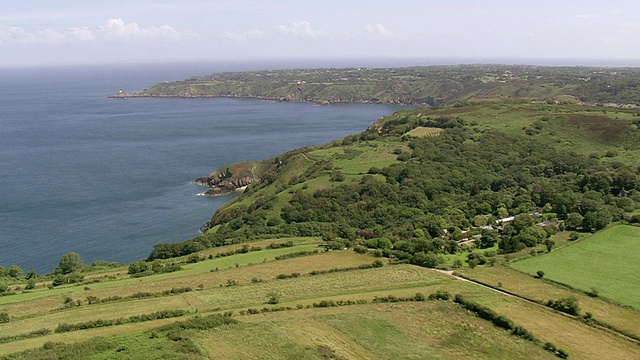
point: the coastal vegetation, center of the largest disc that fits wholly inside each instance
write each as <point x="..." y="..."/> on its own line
<point x="491" y="228"/>
<point x="418" y="198"/>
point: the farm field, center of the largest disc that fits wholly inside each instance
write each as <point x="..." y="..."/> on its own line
<point x="430" y="330"/>
<point x="539" y="290"/>
<point x="607" y="261"/>
<point x="360" y="328"/>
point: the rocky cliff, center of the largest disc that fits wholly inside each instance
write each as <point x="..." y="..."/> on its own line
<point x="230" y="178"/>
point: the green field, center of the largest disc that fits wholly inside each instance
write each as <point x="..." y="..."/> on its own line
<point x="608" y="261"/>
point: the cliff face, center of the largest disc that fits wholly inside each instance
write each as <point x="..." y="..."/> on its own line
<point x="228" y="179"/>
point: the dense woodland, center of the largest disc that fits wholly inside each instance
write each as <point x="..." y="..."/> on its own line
<point x="438" y="191"/>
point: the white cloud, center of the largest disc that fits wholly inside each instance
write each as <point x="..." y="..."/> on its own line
<point x="113" y="30"/>
<point x="301" y="29"/>
<point x="10" y="35"/>
<point x="82" y="34"/>
<point x="244" y="35"/>
<point x="379" y="30"/>
<point x="19" y="36"/>
<point x="117" y="30"/>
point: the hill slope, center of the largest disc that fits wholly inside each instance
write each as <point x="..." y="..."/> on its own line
<point x="479" y="163"/>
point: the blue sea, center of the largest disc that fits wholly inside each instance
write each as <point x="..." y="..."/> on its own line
<point x="110" y="178"/>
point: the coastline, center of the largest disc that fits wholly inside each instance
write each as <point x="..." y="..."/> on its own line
<point x="124" y="96"/>
<point x="231" y="178"/>
<point x="327" y="102"/>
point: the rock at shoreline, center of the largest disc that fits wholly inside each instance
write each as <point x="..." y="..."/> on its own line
<point x="229" y="179"/>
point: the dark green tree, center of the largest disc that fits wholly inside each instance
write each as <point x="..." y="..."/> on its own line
<point x="15" y="272"/>
<point x="573" y="221"/>
<point x="488" y="239"/>
<point x="69" y="263"/>
<point x="31" y="284"/>
<point x="596" y="220"/>
<point x="549" y="244"/>
<point x="31" y="274"/>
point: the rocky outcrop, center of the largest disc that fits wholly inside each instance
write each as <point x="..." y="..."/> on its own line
<point x="231" y="178"/>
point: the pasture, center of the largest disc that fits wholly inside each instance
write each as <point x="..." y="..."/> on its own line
<point x="540" y="290"/>
<point x="608" y="261"/>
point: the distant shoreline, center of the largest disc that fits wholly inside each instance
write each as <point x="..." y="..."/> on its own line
<point x="316" y="102"/>
<point x="422" y="86"/>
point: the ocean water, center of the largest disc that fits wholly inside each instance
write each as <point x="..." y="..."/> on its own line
<point x="109" y="178"/>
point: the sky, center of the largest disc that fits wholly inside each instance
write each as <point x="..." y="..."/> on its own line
<point x="63" y="32"/>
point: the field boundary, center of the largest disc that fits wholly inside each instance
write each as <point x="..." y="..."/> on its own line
<point x="595" y="324"/>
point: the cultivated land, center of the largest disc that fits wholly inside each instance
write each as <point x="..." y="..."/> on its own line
<point x="526" y="286"/>
<point x="436" y="329"/>
<point x="275" y="275"/>
<point x="608" y="261"/>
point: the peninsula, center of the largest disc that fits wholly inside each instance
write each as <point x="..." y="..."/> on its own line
<point x="419" y="86"/>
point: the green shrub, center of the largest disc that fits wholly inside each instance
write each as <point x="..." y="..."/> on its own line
<point x="31" y="284"/>
<point x="550" y="347"/>
<point x="273" y="298"/>
<point x="377" y="263"/>
<point x="287" y="276"/>
<point x="440" y="295"/>
<point x="200" y="323"/>
<point x="567" y="305"/>
<point x="280" y="245"/>
<point x="562" y="354"/>
<point x="360" y="249"/>
<point x="296" y="254"/>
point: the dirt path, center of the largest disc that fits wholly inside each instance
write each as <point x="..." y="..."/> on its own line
<point x="507" y="293"/>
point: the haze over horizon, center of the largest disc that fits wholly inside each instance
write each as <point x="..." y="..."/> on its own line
<point x="38" y="32"/>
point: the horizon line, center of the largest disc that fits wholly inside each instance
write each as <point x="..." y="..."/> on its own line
<point x="357" y="62"/>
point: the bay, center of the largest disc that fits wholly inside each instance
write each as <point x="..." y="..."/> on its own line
<point x="109" y="178"/>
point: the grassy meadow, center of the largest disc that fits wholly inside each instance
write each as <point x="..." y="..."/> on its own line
<point x="607" y="261"/>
